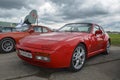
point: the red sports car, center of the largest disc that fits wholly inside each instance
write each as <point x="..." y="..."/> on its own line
<point x="69" y="47"/>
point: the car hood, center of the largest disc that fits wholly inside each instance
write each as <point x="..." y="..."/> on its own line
<point x="48" y="40"/>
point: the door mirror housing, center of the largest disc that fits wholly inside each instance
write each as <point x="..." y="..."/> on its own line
<point x="98" y="32"/>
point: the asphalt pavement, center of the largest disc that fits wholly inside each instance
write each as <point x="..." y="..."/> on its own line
<point x="99" y="67"/>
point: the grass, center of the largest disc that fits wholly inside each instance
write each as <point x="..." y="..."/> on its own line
<point x="115" y="39"/>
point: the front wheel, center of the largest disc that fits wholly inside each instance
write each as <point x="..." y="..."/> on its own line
<point x="7" y="45"/>
<point x="78" y="58"/>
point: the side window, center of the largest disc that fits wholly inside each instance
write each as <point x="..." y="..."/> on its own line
<point x="37" y="29"/>
<point x="102" y="29"/>
<point x="45" y="30"/>
<point x="95" y="29"/>
<point x="6" y="29"/>
<point x="0" y="29"/>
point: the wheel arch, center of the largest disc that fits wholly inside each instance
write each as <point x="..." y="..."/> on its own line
<point x="9" y="38"/>
<point x="82" y="42"/>
<point x="85" y="46"/>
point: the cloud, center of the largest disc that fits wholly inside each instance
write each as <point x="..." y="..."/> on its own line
<point x="73" y="9"/>
<point x="58" y="12"/>
<point x="15" y="8"/>
<point x="13" y="4"/>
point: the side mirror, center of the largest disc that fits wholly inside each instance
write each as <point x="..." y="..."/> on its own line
<point x="31" y="31"/>
<point x="98" y="32"/>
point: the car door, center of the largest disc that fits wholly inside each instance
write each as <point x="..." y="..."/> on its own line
<point x="102" y="38"/>
<point x="97" y="39"/>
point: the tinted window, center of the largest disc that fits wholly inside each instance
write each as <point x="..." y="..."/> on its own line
<point x="95" y="28"/>
<point x="102" y="29"/>
<point x="5" y="29"/>
<point x="0" y="29"/>
<point x="45" y="30"/>
<point x="37" y="29"/>
<point x="76" y="28"/>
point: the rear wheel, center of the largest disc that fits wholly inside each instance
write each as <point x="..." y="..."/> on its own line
<point x="7" y="45"/>
<point x="78" y="58"/>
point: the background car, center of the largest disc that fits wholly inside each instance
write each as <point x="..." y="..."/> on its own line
<point x="9" y="39"/>
<point x="69" y="47"/>
<point x="7" y="29"/>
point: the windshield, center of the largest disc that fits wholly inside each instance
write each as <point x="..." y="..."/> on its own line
<point x="76" y="27"/>
<point x="22" y="28"/>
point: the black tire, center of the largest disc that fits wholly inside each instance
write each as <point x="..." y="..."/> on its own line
<point x="107" y="51"/>
<point x="7" y="45"/>
<point x="78" y="58"/>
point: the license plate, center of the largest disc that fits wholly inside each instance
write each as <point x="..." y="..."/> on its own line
<point x="25" y="54"/>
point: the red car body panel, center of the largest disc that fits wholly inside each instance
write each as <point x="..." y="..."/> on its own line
<point x="14" y="35"/>
<point x="59" y="47"/>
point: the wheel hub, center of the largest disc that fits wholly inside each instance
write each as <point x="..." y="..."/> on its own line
<point x="7" y="45"/>
<point x="78" y="57"/>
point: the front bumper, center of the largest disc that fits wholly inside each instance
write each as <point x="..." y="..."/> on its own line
<point x="58" y="59"/>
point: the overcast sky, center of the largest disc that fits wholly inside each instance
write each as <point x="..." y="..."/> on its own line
<point x="56" y="13"/>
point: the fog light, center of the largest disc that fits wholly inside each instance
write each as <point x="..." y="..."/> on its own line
<point x="47" y="59"/>
<point x="39" y="57"/>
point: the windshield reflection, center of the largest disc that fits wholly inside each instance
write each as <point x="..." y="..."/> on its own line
<point x="79" y="27"/>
